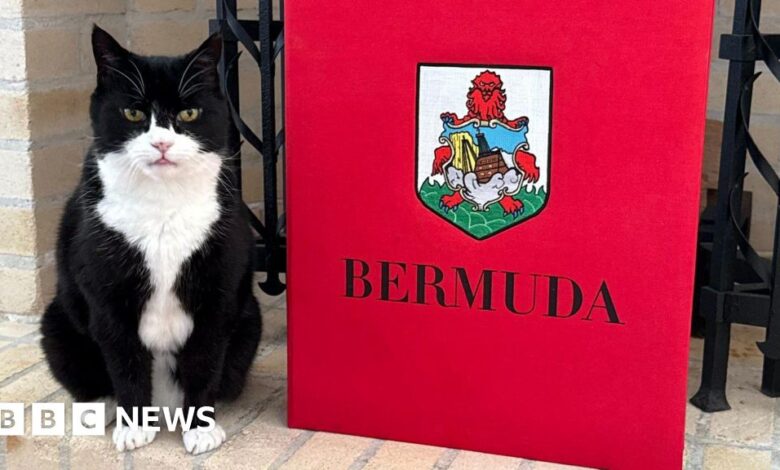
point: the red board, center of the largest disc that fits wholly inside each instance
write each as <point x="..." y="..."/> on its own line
<point x="492" y="213"/>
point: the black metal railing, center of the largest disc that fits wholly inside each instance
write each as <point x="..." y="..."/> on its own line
<point x="263" y="40"/>
<point x="752" y="299"/>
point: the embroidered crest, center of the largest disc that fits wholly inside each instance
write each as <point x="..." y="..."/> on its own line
<point x="483" y="144"/>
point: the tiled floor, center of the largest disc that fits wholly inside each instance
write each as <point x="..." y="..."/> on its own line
<point x="743" y="438"/>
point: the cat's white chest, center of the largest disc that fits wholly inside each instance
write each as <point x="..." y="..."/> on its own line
<point x="167" y="229"/>
<point x="164" y="325"/>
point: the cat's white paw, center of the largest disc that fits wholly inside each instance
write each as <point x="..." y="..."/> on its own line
<point x="129" y="438"/>
<point x="197" y="441"/>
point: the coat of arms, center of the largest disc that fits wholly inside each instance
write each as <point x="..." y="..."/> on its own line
<point x="486" y="169"/>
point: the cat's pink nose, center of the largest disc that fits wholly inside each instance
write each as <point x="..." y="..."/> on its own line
<point x="162" y="146"/>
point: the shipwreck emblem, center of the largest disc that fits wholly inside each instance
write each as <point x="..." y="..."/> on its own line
<point x="487" y="169"/>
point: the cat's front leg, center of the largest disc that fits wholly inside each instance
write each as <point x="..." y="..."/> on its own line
<point x="199" y="366"/>
<point x="129" y="365"/>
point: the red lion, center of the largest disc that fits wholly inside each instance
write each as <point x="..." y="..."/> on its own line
<point x="486" y="102"/>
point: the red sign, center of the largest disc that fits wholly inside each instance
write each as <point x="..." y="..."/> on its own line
<point x="492" y="216"/>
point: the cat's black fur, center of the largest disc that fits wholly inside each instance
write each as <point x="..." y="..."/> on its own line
<point x="90" y="330"/>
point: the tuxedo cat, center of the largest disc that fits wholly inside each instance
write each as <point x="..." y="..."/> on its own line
<point x="154" y="301"/>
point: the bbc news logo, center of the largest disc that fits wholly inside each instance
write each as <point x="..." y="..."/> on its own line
<point x="48" y="419"/>
<point x="89" y="419"/>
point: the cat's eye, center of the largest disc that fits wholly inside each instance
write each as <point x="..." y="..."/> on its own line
<point x="133" y="115"/>
<point x="189" y="115"/>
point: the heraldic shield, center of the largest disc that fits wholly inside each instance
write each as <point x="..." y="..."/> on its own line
<point x="483" y="144"/>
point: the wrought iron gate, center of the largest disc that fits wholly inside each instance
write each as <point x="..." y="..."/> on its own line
<point x="263" y="40"/>
<point x="729" y="299"/>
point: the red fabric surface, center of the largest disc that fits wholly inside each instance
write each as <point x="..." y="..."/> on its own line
<point x="629" y="98"/>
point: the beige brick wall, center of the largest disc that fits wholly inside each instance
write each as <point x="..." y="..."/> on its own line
<point x="46" y="76"/>
<point x="765" y="123"/>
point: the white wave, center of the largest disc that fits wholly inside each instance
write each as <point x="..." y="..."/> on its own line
<point x="483" y="194"/>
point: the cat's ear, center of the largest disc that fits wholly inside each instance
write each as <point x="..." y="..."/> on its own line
<point x="208" y="53"/>
<point x="106" y="49"/>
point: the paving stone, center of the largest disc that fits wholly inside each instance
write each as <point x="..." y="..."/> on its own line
<point x="282" y="303"/>
<point x="95" y="452"/>
<point x="687" y="463"/>
<point x="732" y="458"/>
<point x="18" y="358"/>
<point x="327" y="450"/>
<point x="256" y="395"/>
<point x="274" y="364"/>
<point x="400" y="455"/>
<point x="16" y="329"/>
<point x="259" y="444"/>
<point x="692" y="415"/>
<point x="27" y="452"/>
<point x="166" y="451"/>
<point x="274" y="326"/>
<point x="467" y="460"/>
<point x="269" y="301"/>
<point x="88" y="452"/>
<point x="31" y="387"/>
<point x="743" y="346"/>
<point x="62" y="396"/>
<point x="694" y="377"/>
<point x="750" y="419"/>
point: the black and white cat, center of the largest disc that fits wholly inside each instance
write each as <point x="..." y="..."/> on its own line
<point x="154" y="301"/>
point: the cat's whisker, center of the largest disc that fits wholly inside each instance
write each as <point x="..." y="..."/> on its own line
<point x="191" y="90"/>
<point x="222" y="179"/>
<point x="226" y="184"/>
<point x="187" y="68"/>
<point x="196" y="74"/>
<point x="140" y="77"/>
<point x="132" y="82"/>
<point x="135" y="170"/>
